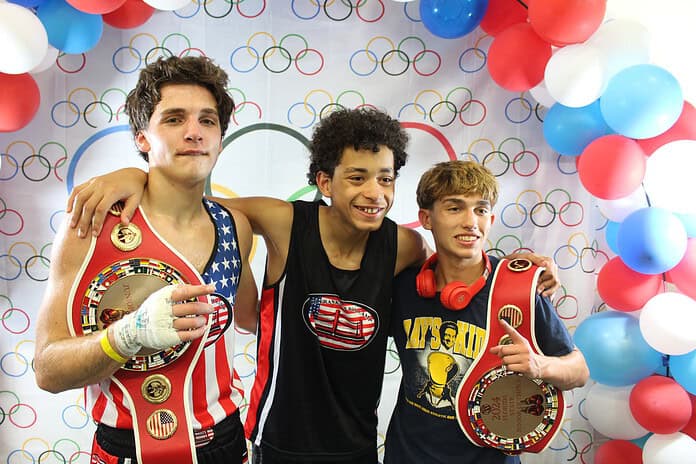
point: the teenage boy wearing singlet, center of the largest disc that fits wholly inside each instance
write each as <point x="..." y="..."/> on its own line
<point x="325" y="308"/>
<point x="178" y="112"/>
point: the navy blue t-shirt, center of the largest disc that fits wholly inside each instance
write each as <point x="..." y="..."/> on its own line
<point x="424" y="427"/>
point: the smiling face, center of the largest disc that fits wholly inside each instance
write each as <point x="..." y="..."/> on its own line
<point x="362" y="187"/>
<point x="460" y="225"/>
<point x="183" y="137"/>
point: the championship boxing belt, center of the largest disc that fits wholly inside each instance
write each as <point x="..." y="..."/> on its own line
<point x="499" y="408"/>
<point x="120" y="270"/>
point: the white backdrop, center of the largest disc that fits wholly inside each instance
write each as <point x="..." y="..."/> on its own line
<point x="287" y="62"/>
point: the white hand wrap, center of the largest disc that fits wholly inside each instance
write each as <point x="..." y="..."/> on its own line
<point x="150" y="326"/>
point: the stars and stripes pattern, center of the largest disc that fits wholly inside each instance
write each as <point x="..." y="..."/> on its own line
<point x="161" y="424"/>
<point x="338" y="324"/>
<point x="225" y="272"/>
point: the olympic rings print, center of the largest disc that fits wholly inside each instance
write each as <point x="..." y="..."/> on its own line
<point x="369" y="11"/>
<point x="278" y="57"/>
<point x="395" y="60"/>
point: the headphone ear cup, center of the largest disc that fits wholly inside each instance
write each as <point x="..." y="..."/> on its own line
<point x="455" y="295"/>
<point x="425" y="283"/>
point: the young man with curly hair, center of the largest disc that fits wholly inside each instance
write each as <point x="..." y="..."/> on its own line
<point x="325" y="306"/>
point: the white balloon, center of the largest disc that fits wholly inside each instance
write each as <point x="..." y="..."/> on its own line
<point x="608" y="411"/>
<point x="621" y="43"/>
<point x="616" y="210"/>
<point x="669" y="177"/>
<point x="667" y="323"/>
<point x="23" y="37"/>
<point x="574" y="75"/>
<point x="669" y="449"/>
<point x="541" y="95"/>
<point x="48" y="61"/>
<point x="168" y="5"/>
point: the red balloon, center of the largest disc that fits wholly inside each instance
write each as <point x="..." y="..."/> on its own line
<point x="612" y="166"/>
<point x="517" y="58"/>
<point x="660" y="405"/>
<point x="618" y="452"/>
<point x="501" y="14"/>
<point x="624" y="289"/>
<point x="690" y="427"/>
<point x="683" y="275"/>
<point x="19" y="101"/>
<point x="564" y="22"/>
<point x="683" y="129"/>
<point x="132" y="13"/>
<point x="96" y="6"/>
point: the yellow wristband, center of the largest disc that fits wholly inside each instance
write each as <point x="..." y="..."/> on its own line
<point x="109" y="350"/>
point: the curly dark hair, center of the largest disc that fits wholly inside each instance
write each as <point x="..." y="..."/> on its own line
<point x="197" y="70"/>
<point x="362" y="128"/>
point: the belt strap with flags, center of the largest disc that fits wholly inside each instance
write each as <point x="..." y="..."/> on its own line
<point x="120" y="270"/>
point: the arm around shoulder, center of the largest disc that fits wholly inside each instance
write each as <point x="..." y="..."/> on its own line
<point x="412" y="249"/>
<point x="566" y="372"/>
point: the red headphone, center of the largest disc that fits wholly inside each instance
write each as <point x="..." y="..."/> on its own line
<point x="455" y="295"/>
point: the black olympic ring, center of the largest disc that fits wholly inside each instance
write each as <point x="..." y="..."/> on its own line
<point x="229" y="10"/>
<point x="89" y="105"/>
<point x="451" y="106"/>
<point x="41" y="159"/>
<point x="283" y="51"/>
<point x="46" y="261"/>
<point x="328" y="107"/>
<point x="500" y="154"/>
<point x="539" y="205"/>
<point x="350" y="10"/>
<point x="401" y="54"/>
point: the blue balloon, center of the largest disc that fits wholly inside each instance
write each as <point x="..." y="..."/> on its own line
<point x="684" y="370"/>
<point x="642" y="101"/>
<point x="615" y="350"/>
<point x="689" y="221"/>
<point x="569" y="130"/>
<point x="70" y="30"/>
<point x="452" y="18"/>
<point x="610" y="233"/>
<point x="28" y="3"/>
<point x="651" y="240"/>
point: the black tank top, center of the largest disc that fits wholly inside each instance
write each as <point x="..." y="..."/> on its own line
<point x="321" y="349"/>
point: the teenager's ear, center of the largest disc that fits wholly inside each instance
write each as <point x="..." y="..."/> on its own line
<point x="323" y="181"/>
<point x="424" y="218"/>
<point x="492" y="218"/>
<point x="141" y="142"/>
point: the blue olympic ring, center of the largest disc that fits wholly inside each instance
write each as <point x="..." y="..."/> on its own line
<point x="292" y="6"/>
<point x="562" y="247"/>
<point x="84" y="413"/>
<point x="510" y="226"/>
<point x="18" y="263"/>
<point x="375" y="60"/>
<point x="523" y="120"/>
<point x="77" y="113"/>
<point x="417" y="105"/>
<point x="314" y="115"/>
<point x="563" y="158"/>
<point x="16" y="165"/>
<point x="472" y="49"/>
<point x="198" y="8"/>
<point x="406" y="4"/>
<point x="6" y="372"/>
<point x="253" y="363"/>
<point x="123" y="71"/>
<point x="245" y="47"/>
